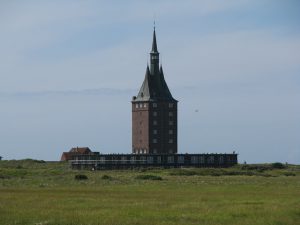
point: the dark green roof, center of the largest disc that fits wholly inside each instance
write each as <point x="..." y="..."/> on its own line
<point x="154" y="88"/>
<point x="154" y="44"/>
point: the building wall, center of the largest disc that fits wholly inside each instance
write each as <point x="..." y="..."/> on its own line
<point x="140" y="127"/>
<point x="164" y="130"/>
<point x="154" y="127"/>
<point x="123" y="161"/>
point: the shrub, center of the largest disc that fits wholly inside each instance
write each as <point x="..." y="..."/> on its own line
<point x="81" y="177"/>
<point x="181" y="172"/>
<point x="148" y="177"/>
<point x="259" y="168"/>
<point x="289" y="174"/>
<point x="278" y="165"/>
<point x="106" y="177"/>
<point x="4" y="176"/>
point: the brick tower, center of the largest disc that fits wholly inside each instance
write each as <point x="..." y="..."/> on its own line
<point x="154" y="112"/>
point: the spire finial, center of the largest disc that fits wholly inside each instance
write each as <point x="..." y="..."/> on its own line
<point x="154" y="45"/>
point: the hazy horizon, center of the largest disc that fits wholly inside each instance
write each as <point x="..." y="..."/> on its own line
<point x="70" y="68"/>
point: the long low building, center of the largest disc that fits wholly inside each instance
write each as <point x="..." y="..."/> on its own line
<point x="99" y="161"/>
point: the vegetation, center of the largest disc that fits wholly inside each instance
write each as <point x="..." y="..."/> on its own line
<point x="81" y="177"/>
<point x="106" y="177"/>
<point x="148" y="177"/>
<point x="36" y="192"/>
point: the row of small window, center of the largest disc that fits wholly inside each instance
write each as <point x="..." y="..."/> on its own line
<point x="154" y="105"/>
<point x="155" y="113"/>
<point x="155" y="141"/>
<point x="170" y="122"/>
<point x="133" y="160"/>
<point x="210" y="159"/>
<point x="144" y="151"/>
<point x="140" y="105"/>
<point x="155" y="132"/>
<point x="140" y="151"/>
<point x="170" y="159"/>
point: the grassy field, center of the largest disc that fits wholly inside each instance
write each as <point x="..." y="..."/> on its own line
<point x="35" y="192"/>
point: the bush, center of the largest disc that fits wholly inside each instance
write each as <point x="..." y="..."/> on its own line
<point x="148" y="177"/>
<point x="106" y="177"/>
<point x="278" y="165"/>
<point x="259" y="168"/>
<point x="289" y="174"/>
<point x="81" y="177"/>
<point x="4" y="176"/>
<point x="181" y="172"/>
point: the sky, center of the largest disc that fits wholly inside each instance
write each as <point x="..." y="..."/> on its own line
<point x="69" y="69"/>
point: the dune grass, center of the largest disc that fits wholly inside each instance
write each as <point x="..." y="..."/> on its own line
<point x="34" y="192"/>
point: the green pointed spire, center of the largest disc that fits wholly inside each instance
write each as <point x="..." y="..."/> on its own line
<point x="154" y="44"/>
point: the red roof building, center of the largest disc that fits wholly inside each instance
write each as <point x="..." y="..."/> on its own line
<point x="75" y="151"/>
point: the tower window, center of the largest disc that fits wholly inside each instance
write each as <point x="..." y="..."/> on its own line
<point x="170" y="151"/>
<point x="155" y="151"/>
<point x="154" y="140"/>
<point x="171" y="105"/>
<point x="137" y="106"/>
<point x="170" y="131"/>
<point x="170" y="122"/>
<point x="154" y="131"/>
<point x="170" y="140"/>
<point x="154" y="113"/>
<point x="154" y="105"/>
<point x="154" y="122"/>
<point x="170" y="113"/>
<point x="145" y="105"/>
<point x="141" y="105"/>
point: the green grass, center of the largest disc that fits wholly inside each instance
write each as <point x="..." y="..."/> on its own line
<point x="34" y="192"/>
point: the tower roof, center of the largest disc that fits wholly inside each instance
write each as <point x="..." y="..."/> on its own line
<point x="154" y="87"/>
